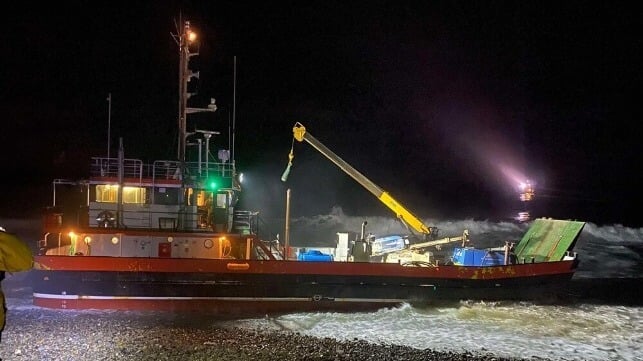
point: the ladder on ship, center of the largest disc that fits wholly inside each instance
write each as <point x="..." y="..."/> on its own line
<point x="244" y="222"/>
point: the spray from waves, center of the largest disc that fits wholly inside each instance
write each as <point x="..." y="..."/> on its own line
<point x="320" y="230"/>
<point x="610" y="252"/>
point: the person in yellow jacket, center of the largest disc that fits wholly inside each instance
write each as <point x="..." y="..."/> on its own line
<point x="15" y="256"/>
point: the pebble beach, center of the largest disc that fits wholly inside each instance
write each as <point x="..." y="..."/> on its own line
<point x="35" y="334"/>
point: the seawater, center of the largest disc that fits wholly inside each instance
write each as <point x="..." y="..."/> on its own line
<point x="520" y="330"/>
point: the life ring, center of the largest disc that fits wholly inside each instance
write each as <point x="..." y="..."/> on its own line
<point x="106" y="219"/>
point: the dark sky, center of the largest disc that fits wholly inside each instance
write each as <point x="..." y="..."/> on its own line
<point x="444" y="104"/>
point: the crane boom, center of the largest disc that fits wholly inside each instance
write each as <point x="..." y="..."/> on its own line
<point x="404" y="215"/>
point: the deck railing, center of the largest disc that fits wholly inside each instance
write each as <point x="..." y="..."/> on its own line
<point x="160" y="169"/>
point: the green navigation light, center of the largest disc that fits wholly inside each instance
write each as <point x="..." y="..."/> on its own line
<point x="213" y="183"/>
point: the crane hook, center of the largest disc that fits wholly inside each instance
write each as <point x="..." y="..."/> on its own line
<point x="291" y="156"/>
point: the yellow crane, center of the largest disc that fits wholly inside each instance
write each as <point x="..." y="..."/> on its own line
<point x="403" y="214"/>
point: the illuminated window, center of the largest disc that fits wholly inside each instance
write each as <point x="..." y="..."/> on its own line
<point x="202" y="198"/>
<point x="135" y="195"/>
<point x="108" y="193"/>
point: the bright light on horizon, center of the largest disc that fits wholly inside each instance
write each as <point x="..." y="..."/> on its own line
<point x="515" y="177"/>
<point x="524" y="185"/>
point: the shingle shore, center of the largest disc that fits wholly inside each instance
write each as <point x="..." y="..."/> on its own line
<point x="41" y="334"/>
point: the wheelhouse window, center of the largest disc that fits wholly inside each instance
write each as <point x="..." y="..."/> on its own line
<point x="108" y="193"/>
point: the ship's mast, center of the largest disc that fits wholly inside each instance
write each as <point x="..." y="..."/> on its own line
<point x="184" y="39"/>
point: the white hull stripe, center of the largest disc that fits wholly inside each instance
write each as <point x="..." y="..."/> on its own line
<point x="250" y="299"/>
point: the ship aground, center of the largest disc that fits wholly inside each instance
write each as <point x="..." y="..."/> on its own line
<point x="168" y="235"/>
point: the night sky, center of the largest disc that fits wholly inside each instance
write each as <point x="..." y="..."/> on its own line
<point x="444" y="104"/>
